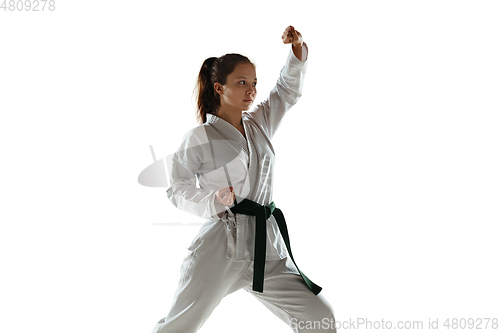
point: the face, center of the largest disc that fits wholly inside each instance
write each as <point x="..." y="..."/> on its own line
<point x="240" y="89"/>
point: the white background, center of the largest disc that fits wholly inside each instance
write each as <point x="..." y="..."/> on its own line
<point x="387" y="168"/>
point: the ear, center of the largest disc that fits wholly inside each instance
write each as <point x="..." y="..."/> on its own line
<point x="218" y="88"/>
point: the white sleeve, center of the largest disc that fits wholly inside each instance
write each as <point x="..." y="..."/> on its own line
<point x="183" y="192"/>
<point x="284" y="95"/>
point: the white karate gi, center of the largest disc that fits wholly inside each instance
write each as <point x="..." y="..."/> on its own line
<point x="216" y="155"/>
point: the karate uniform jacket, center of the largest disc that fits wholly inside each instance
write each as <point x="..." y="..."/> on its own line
<point x="216" y="155"/>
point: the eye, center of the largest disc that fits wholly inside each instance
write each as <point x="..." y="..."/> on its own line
<point x="254" y="84"/>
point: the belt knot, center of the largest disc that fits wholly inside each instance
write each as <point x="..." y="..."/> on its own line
<point x="262" y="213"/>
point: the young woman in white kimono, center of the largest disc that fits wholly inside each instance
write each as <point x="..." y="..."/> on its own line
<point x="223" y="172"/>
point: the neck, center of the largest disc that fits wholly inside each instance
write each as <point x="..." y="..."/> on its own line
<point x="231" y="116"/>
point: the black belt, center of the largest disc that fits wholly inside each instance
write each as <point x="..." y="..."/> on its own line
<point x="262" y="213"/>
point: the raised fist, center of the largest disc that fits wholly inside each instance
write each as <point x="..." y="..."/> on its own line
<point x="292" y="36"/>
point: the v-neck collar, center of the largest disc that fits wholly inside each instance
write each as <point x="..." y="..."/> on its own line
<point x="226" y="127"/>
<point x="233" y="134"/>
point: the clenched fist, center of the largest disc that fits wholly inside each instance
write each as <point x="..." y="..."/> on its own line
<point x="225" y="196"/>
<point x="292" y="36"/>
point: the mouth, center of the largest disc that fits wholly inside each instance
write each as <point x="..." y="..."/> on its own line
<point x="248" y="100"/>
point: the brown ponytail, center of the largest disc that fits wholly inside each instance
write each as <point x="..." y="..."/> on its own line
<point x="214" y="70"/>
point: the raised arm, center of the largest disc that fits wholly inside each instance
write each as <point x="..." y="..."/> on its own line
<point x="288" y="89"/>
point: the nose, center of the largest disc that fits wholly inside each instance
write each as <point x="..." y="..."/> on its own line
<point x="252" y="90"/>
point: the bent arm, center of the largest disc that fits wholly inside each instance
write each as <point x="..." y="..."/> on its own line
<point x="183" y="192"/>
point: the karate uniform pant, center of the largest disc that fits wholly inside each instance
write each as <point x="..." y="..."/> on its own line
<point x="207" y="276"/>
